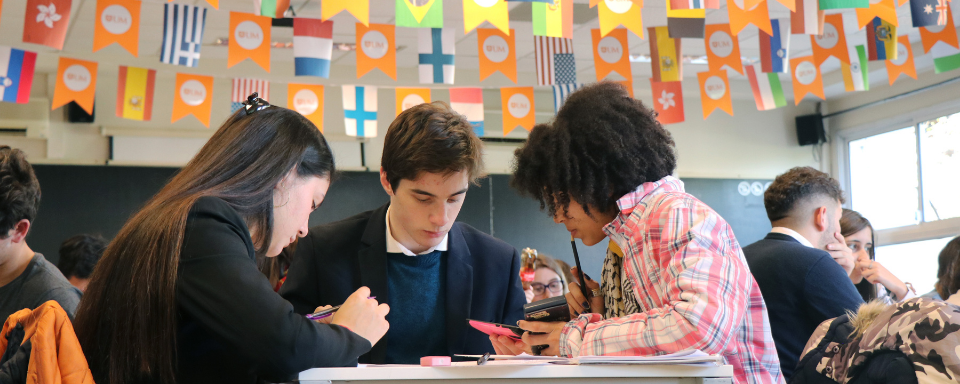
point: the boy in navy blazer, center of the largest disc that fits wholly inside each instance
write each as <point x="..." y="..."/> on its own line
<point x="434" y="272"/>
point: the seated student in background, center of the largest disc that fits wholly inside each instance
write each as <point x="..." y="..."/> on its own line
<point x="78" y="256"/>
<point x="872" y="279"/>
<point x="548" y="279"/>
<point x="801" y="282"/>
<point x="434" y="272"/>
<point x="674" y="277"/>
<point x="948" y="273"/>
<point x="27" y="279"/>
<point x="177" y="296"/>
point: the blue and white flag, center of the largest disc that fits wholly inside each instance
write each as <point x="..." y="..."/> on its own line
<point x="182" y="34"/>
<point x="436" y="48"/>
<point x="312" y="46"/>
<point x="360" y="110"/>
<point x="560" y="93"/>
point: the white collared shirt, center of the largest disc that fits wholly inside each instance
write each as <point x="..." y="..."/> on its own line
<point x="394" y="246"/>
<point x="793" y="234"/>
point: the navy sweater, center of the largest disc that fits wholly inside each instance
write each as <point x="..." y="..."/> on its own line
<point x="420" y="328"/>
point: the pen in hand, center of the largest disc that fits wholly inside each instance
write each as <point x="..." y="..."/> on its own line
<point x="327" y="312"/>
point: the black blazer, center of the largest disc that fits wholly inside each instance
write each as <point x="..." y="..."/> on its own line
<point x="483" y="277"/>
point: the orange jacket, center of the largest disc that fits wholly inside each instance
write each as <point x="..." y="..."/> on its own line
<point x="56" y="356"/>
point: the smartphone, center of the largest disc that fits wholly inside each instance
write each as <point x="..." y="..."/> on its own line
<point x="489" y="328"/>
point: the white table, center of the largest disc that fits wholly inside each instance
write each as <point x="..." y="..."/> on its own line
<point x="505" y="374"/>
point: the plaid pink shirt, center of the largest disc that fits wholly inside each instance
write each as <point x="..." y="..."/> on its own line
<point x="692" y="284"/>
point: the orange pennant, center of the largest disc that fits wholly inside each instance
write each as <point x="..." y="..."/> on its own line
<point x="806" y="78"/>
<point x="945" y="33"/>
<point x="410" y="97"/>
<point x="884" y="9"/>
<point x="358" y="8"/>
<point x="76" y="81"/>
<point x="213" y="3"/>
<point x="833" y="41"/>
<point x="626" y="84"/>
<point x="741" y="16"/>
<point x="249" y="38"/>
<point x="192" y="96"/>
<point x="518" y="108"/>
<point x="715" y="92"/>
<point x="117" y="21"/>
<point x="497" y="53"/>
<point x="376" y="49"/>
<point x="722" y="48"/>
<point x="307" y="100"/>
<point x="790" y="4"/>
<point x="475" y="12"/>
<point x="613" y="13"/>
<point x="903" y="64"/>
<point x="611" y="53"/>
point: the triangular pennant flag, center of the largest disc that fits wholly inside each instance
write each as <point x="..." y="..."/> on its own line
<point x="273" y="9"/>
<point x="628" y="13"/>
<point x="775" y="49"/>
<point x="555" y="62"/>
<point x="611" y="53"/>
<point x="807" y="18"/>
<point x="884" y="9"/>
<point x="376" y="49"/>
<point x="518" y="108"/>
<point x="46" y="21"/>
<point x="694" y="4"/>
<point x="881" y="40"/>
<point x="16" y="74"/>
<point x="740" y="17"/>
<point x="249" y="39"/>
<point x="497" y="53"/>
<point x="855" y="74"/>
<point x="437" y="49"/>
<point x="411" y="97"/>
<point x="469" y="103"/>
<point x="806" y="78"/>
<point x="192" y="96"/>
<point x="419" y="13"/>
<point x="833" y="41"/>
<point x="307" y="100"/>
<point x="560" y="93"/>
<point x="715" y="92"/>
<point x="903" y="64"/>
<point x="667" y="101"/>
<point x="76" y="81"/>
<point x="475" y="12"/>
<point x="135" y="93"/>
<point x="360" y="9"/>
<point x="665" y="56"/>
<point x="117" y="21"/>
<point x="790" y="4"/>
<point x="946" y="34"/>
<point x="312" y="47"/>
<point x="243" y="88"/>
<point x="766" y="87"/>
<point x="685" y="22"/>
<point x="360" y="110"/>
<point x="182" y="34"/>
<point x="925" y="13"/>
<point x="628" y="85"/>
<point x="840" y="4"/>
<point x="722" y="48"/>
<point x="554" y="19"/>
<point x="213" y="3"/>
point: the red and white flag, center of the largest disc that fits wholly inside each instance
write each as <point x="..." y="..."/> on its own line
<point x="45" y="22"/>
<point x="244" y="87"/>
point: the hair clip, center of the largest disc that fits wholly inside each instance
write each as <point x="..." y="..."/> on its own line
<point x="254" y="103"/>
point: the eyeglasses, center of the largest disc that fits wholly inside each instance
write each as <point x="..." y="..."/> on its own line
<point x="554" y="286"/>
<point x="254" y="103"/>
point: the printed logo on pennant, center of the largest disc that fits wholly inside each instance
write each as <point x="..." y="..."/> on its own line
<point x="613" y="13"/>
<point x="497" y="53"/>
<point x="833" y="41"/>
<point x="722" y="48"/>
<point x="411" y="97"/>
<point x="714" y="92"/>
<point x="518" y="108"/>
<point x="76" y="81"/>
<point x="250" y="39"/>
<point x="119" y="22"/>
<point x="610" y="53"/>
<point x="307" y="100"/>
<point x="740" y="17"/>
<point x="903" y="64"/>
<point x="192" y="97"/>
<point x="806" y="78"/>
<point x="376" y="49"/>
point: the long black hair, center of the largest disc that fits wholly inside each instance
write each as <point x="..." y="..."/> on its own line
<point x="852" y="222"/>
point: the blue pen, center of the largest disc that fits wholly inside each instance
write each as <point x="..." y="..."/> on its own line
<point x="327" y="312"/>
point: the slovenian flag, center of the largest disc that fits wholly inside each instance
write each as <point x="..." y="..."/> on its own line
<point x="16" y="74"/>
<point x="775" y="50"/>
<point x="469" y="103"/>
<point x="360" y="110"/>
<point x="767" y="91"/>
<point x="881" y="40"/>
<point x="312" y="47"/>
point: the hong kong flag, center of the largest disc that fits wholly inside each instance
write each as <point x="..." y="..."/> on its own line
<point x="46" y="22"/>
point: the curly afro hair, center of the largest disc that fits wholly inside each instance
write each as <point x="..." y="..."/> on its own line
<point x="796" y="186"/>
<point x="602" y="145"/>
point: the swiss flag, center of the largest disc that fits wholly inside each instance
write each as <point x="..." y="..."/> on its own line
<point x="46" y="22"/>
<point x="668" y="101"/>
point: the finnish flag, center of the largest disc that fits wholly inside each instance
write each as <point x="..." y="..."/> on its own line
<point x="360" y="110"/>
<point x="436" y="48"/>
<point x="182" y="34"/>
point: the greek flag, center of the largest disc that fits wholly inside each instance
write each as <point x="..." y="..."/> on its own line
<point x="560" y="93"/>
<point x="182" y="34"/>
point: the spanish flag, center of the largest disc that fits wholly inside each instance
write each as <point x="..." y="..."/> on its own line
<point x="135" y="93"/>
<point x="664" y="56"/>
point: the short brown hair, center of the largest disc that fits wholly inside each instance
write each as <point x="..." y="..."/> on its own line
<point x="430" y="138"/>
<point x="795" y="186"/>
<point x="19" y="189"/>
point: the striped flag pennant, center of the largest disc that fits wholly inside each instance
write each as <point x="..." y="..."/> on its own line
<point x="16" y="74"/>
<point x="182" y="34"/>
<point x="694" y="4"/>
<point x="767" y="90"/>
<point x="244" y="87"/>
<point x="555" y="61"/>
<point x="807" y="18"/>
<point x="436" y="47"/>
<point x="312" y="47"/>
<point x="135" y="93"/>
<point x="855" y="74"/>
<point x="272" y="8"/>
<point x="469" y="103"/>
<point x="841" y="4"/>
<point x="945" y="57"/>
<point x="775" y="49"/>
<point x="560" y="93"/>
<point x="665" y="56"/>
<point x="553" y="18"/>
<point x="360" y="110"/>
<point x="881" y="40"/>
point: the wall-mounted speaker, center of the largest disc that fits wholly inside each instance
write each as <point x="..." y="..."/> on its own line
<point x="810" y="129"/>
<point x="76" y="114"/>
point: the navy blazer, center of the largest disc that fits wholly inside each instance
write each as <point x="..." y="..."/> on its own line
<point x="483" y="277"/>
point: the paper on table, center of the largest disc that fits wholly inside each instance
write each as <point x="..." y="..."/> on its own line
<point x="682" y="357"/>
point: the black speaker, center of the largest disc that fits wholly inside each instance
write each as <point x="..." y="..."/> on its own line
<point x="76" y="114"/>
<point x="810" y="129"/>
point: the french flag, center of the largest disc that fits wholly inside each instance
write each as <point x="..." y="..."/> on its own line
<point x="775" y="49"/>
<point x="16" y="74"/>
<point x="312" y="46"/>
<point x="469" y="103"/>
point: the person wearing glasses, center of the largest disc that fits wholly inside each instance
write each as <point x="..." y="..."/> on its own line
<point x="548" y="279"/>
<point x="177" y="296"/>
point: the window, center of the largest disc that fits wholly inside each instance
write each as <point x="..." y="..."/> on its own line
<point x="914" y="262"/>
<point x="940" y="161"/>
<point x="884" y="180"/>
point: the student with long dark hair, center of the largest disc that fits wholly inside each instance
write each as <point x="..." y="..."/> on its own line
<point x="872" y="279"/>
<point x="177" y="296"/>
